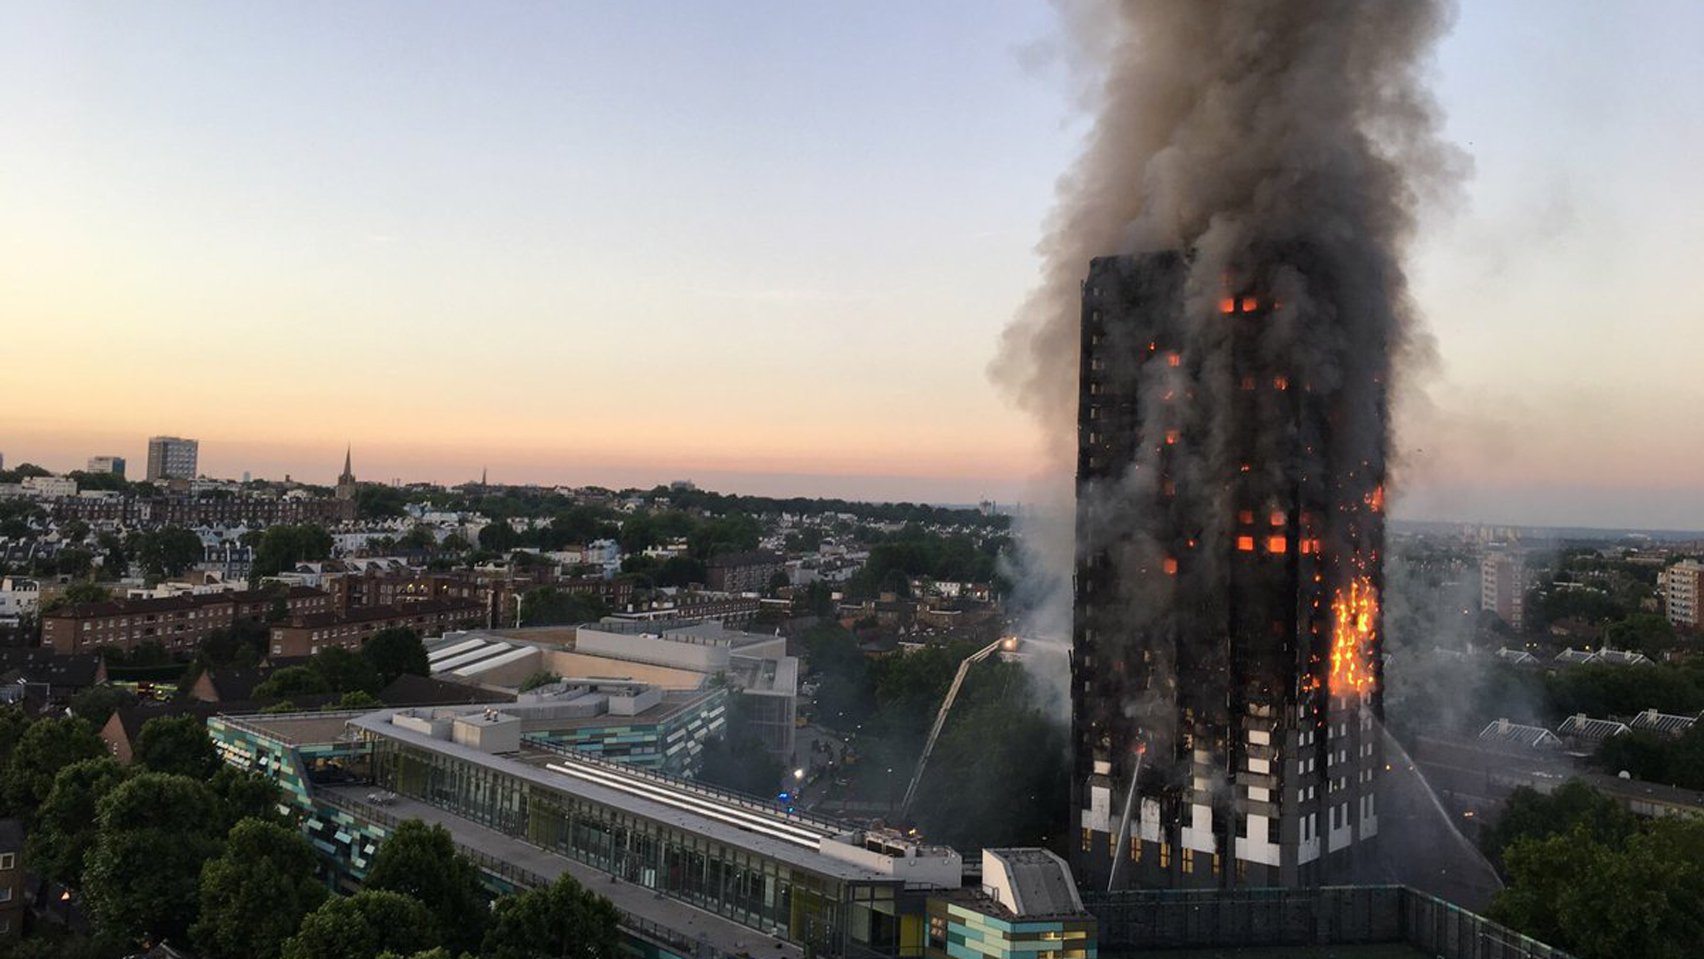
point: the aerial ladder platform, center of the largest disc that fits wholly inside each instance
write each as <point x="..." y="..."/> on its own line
<point x="1006" y="642"/>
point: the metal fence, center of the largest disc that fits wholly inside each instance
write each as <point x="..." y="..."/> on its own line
<point x="1449" y="931"/>
<point x="1139" y="919"/>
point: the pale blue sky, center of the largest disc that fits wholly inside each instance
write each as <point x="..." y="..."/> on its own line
<point x="767" y="245"/>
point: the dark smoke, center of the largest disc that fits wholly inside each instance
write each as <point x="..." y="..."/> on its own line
<point x="1285" y="143"/>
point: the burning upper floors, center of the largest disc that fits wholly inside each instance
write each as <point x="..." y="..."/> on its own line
<point x="1225" y="675"/>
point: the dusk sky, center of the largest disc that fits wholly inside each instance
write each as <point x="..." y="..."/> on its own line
<point x="767" y="246"/>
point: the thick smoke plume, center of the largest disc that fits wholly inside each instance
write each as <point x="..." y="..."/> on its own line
<point x="1284" y="144"/>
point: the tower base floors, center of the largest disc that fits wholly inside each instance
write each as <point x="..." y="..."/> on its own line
<point x="1160" y="864"/>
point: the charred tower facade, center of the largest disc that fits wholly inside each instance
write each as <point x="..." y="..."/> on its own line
<point x="1225" y="670"/>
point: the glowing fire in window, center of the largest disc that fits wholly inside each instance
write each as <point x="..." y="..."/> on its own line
<point x="1170" y="566"/>
<point x="1245" y="544"/>
<point x="1355" y="616"/>
<point x="1276" y="544"/>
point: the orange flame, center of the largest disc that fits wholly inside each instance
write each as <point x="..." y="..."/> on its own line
<point x="1375" y="499"/>
<point x="1352" y="637"/>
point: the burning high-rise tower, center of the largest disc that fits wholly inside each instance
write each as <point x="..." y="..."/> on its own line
<point x="1225" y="677"/>
<point x="1259" y="167"/>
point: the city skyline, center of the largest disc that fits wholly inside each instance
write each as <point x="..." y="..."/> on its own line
<point x="478" y="243"/>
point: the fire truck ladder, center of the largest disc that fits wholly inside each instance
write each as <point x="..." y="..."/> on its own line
<point x="941" y="719"/>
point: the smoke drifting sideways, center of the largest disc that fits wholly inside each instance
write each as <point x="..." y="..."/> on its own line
<point x="1289" y="144"/>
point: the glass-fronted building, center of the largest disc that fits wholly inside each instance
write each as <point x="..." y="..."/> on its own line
<point x="804" y="884"/>
<point x="810" y="881"/>
<point x="669" y="738"/>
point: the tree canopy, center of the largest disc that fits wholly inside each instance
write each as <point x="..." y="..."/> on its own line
<point x="421" y="861"/>
<point x="178" y="745"/>
<point x="255" y="894"/>
<point x="64" y="831"/>
<point x="167" y="551"/>
<point x="1529" y="814"/>
<point x="44" y="748"/>
<point x="563" y="920"/>
<point x="395" y="651"/>
<point x="1606" y="899"/>
<point x="549" y="606"/>
<point x="154" y="832"/>
<point x="281" y="547"/>
<point x="371" y="922"/>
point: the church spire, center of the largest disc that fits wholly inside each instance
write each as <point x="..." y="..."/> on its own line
<point x="346" y="482"/>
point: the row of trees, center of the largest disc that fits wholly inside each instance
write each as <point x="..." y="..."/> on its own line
<point x="1586" y="876"/>
<point x="915" y="551"/>
<point x="181" y="847"/>
<point x="1653" y="757"/>
<point x="504" y="502"/>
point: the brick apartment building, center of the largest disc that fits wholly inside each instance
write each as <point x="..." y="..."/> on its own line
<point x="733" y="612"/>
<point x="353" y="590"/>
<point x="179" y="623"/>
<point x="305" y="635"/>
<point x="615" y="593"/>
<point x="748" y="572"/>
